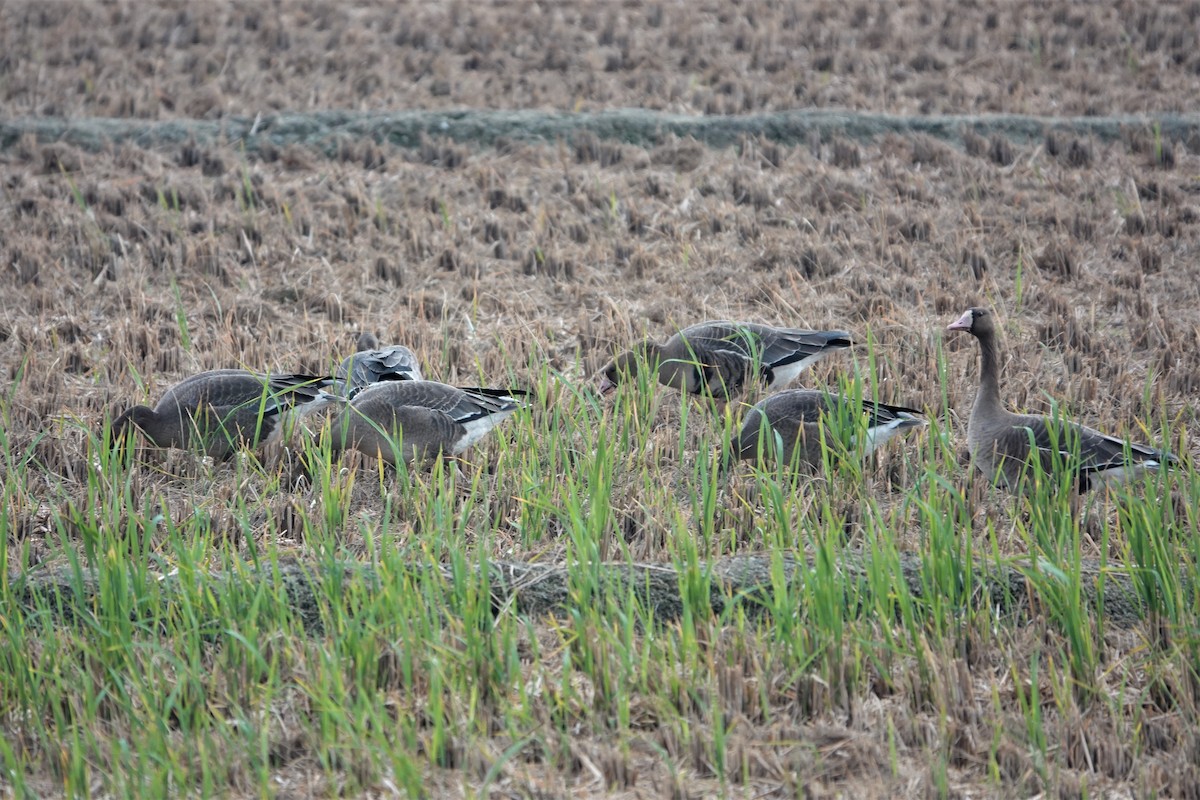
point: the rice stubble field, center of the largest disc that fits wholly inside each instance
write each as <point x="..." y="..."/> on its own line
<point x="884" y="669"/>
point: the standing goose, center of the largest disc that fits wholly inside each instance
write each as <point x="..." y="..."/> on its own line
<point x="797" y="420"/>
<point x="372" y="364"/>
<point x="720" y="358"/>
<point x="418" y="420"/>
<point x="1002" y="443"/>
<point x="224" y="408"/>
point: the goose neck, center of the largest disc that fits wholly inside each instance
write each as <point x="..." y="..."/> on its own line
<point x="989" y="370"/>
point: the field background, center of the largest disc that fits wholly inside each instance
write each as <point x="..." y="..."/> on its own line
<point x="130" y="265"/>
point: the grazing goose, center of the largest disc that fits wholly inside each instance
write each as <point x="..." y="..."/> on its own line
<point x="220" y="409"/>
<point x="797" y="418"/>
<point x="418" y="420"/>
<point x="1002" y="443"/>
<point x="721" y="358"/>
<point x="372" y="364"/>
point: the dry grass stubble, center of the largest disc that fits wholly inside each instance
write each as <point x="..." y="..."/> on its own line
<point x="131" y="268"/>
<point x="137" y="270"/>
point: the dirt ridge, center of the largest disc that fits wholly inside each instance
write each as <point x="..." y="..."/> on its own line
<point x="324" y="130"/>
<point x="539" y="590"/>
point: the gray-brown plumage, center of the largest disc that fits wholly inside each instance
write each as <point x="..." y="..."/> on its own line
<point x="1003" y="444"/>
<point x="372" y="364"/>
<point x="220" y="410"/>
<point x="788" y="427"/>
<point x="419" y="420"/>
<point x="720" y="358"/>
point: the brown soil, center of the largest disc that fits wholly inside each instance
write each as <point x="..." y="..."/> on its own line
<point x="485" y="258"/>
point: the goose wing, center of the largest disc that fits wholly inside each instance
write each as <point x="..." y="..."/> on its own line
<point x="780" y="353"/>
<point x="227" y="389"/>
<point x="1060" y="442"/>
<point x="459" y="406"/>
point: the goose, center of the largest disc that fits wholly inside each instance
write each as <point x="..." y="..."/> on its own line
<point x="220" y="409"/>
<point x="418" y="420"/>
<point x="1003" y="444"/>
<point x="797" y="420"/>
<point x="372" y="364"/>
<point x="720" y="358"/>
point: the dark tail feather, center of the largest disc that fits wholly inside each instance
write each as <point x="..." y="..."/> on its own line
<point x="838" y="339"/>
<point x="898" y="410"/>
<point x="296" y="382"/>
<point x="518" y="395"/>
<point x="299" y="390"/>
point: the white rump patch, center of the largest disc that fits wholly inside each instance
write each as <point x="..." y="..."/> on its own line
<point x="476" y="429"/>
<point x="878" y="435"/>
<point x="789" y="372"/>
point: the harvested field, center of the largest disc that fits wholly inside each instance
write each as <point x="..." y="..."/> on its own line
<point x="132" y="264"/>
